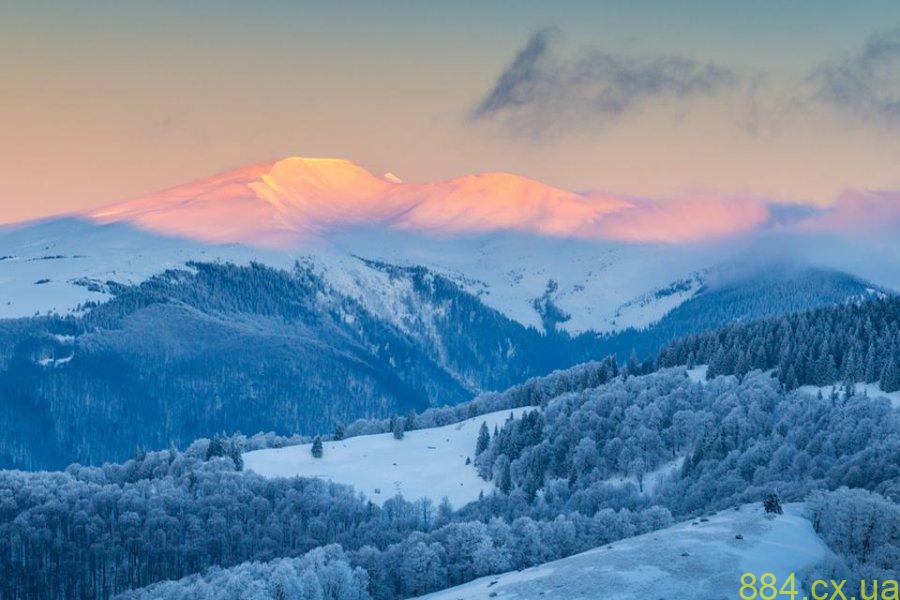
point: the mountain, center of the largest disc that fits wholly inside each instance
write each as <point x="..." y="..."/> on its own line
<point x="607" y="262"/>
<point x="286" y="202"/>
<point x="225" y="347"/>
<point x="295" y="294"/>
<point x="214" y="347"/>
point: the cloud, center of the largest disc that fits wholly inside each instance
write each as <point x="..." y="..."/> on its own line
<point x="516" y="86"/>
<point x="866" y="84"/>
<point x="684" y="220"/>
<point x="872" y="213"/>
<point x="540" y="90"/>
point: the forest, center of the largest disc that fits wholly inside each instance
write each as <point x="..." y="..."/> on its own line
<point x="611" y="451"/>
<point x="856" y="342"/>
<point x="93" y="532"/>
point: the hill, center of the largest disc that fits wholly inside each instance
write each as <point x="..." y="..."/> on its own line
<point x="700" y="559"/>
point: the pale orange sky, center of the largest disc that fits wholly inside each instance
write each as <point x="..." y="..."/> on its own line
<point x="104" y="102"/>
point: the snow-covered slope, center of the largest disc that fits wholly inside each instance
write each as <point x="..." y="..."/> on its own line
<point x="872" y="390"/>
<point x="696" y="560"/>
<point x="525" y="248"/>
<point x="600" y="285"/>
<point x="426" y="463"/>
<point x="282" y="202"/>
<point x="55" y="265"/>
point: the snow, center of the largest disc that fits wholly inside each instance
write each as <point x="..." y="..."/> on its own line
<point x="651" y="479"/>
<point x="75" y="259"/>
<point x="693" y="560"/>
<point x="426" y="463"/>
<point x="872" y="390"/>
<point x="603" y="286"/>
<point x="698" y="373"/>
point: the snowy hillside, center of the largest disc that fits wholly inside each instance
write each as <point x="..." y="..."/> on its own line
<point x="872" y="390"/>
<point x="542" y="256"/>
<point x="597" y="285"/>
<point x="697" y="560"/>
<point x="427" y="463"/>
<point x="55" y="265"/>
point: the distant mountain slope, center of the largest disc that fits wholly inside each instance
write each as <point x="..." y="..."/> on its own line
<point x="731" y="297"/>
<point x="285" y="202"/>
<point x="56" y="265"/>
<point x="224" y="347"/>
<point x="696" y="560"/>
<point x="859" y="342"/>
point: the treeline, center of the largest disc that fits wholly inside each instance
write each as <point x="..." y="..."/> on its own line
<point x="739" y="440"/>
<point x="92" y="532"/>
<point x="536" y="391"/>
<point x="321" y="574"/>
<point x="848" y="343"/>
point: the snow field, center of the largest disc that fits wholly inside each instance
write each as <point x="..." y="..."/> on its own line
<point x="426" y="463"/>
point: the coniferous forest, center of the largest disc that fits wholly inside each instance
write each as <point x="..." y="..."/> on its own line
<point x="857" y="342"/>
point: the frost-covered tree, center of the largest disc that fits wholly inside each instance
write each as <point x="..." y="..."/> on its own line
<point x="397" y="428"/>
<point x="772" y="503"/>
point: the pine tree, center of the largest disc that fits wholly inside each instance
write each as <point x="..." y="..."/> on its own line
<point x="397" y="428"/>
<point x="338" y="432"/>
<point x="216" y="447"/>
<point x="317" y="449"/>
<point x="484" y="439"/>
<point x="890" y="375"/>
<point x="502" y="475"/>
<point x="634" y="365"/>
<point x="236" y="455"/>
<point x="772" y="503"/>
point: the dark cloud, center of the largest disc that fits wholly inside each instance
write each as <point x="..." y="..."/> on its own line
<point x="543" y="90"/>
<point x="866" y="84"/>
<point x="516" y="85"/>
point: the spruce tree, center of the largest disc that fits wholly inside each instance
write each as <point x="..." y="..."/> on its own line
<point x="772" y="503"/>
<point x="484" y="439"/>
<point x="317" y="449"/>
<point x="216" y="447"/>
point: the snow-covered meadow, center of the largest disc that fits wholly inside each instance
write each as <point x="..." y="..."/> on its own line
<point x="426" y="463"/>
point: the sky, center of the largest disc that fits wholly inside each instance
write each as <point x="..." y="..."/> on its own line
<point x="786" y="102"/>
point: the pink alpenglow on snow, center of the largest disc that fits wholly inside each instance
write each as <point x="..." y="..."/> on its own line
<point x="283" y="203"/>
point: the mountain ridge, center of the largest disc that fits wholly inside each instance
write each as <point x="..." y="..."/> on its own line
<point x="285" y="203"/>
